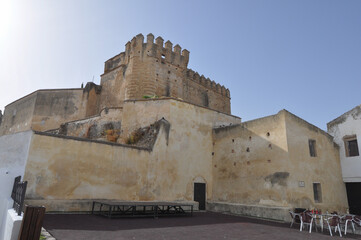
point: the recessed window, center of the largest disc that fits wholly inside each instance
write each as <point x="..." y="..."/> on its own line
<point x="317" y="193"/>
<point x="351" y="146"/>
<point x="312" y="146"/>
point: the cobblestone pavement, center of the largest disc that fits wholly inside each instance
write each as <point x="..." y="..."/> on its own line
<point x="206" y="225"/>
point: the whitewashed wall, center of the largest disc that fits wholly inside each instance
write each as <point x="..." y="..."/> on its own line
<point x="346" y="125"/>
<point x="14" y="151"/>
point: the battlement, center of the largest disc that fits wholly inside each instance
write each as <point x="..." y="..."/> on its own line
<point x="165" y="53"/>
<point x="207" y="83"/>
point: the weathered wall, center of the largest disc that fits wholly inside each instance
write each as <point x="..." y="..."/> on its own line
<point x="325" y="168"/>
<point x="43" y="110"/>
<point x="156" y="69"/>
<point x="14" y="150"/>
<point x="113" y="88"/>
<point x="268" y="157"/>
<point x="348" y="124"/>
<point x="55" y="107"/>
<point x="141" y="113"/>
<point x="18" y="115"/>
<point x="249" y="167"/>
<point x="201" y="91"/>
<point x="92" y="93"/>
<point x="94" y="127"/>
<point x="72" y="169"/>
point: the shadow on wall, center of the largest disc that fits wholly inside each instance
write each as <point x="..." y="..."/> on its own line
<point x="255" y="168"/>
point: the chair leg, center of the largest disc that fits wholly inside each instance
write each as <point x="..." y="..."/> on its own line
<point x="329" y="228"/>
<point x="301" y="226"/>
<point x="339" y="230"/>
<point x="291" y="223"/>
<point x="346" y="226"/>
<point x="353" y="228"/>
<point x="311" y="225"/>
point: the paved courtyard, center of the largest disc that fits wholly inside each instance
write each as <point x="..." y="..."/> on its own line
<point x="203" y="225"/>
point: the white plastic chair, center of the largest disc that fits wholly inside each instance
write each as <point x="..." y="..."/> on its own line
<point x="306" y="219"/>
<point x="333" y="220"/>
<point x="356" y="220"/>
<point x="348" y="218"/>
<point x="295" y="216"/>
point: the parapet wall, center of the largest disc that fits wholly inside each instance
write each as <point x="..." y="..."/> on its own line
<point x="207" y="83"/>
<point x="137" y="47"/>
<point x="202" y="91"/>
<point x="44" y="109"/>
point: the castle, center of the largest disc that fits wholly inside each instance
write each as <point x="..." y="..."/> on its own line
<point x="143" y="69"/>
<point x="152" y="130"/>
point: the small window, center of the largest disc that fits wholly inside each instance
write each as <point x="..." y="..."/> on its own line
<point x="317" y="193"/>
<point x="351" y="146"/>
<point x="312" y="146"/>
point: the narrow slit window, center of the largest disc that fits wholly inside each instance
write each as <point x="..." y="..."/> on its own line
<point x="312" y="146"/>
<point x="317" y="193"/>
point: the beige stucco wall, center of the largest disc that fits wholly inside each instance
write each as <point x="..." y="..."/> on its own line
<point x="83" y="127"/>
<point x="18" y="115"/>
<point x="60" y="168"/>
<point x="269" y="174"/>
<point x="55" y="107"/>
<point x="44" y="110"/>
<point x="113" y="88"/>
<point x="179" y="113"/>
<point x="240" y="175"/>
<point x="325" y="168"/>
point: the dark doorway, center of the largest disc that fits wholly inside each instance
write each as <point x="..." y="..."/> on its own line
<point x="354" y="197"/>
<point x="200" y="195"/>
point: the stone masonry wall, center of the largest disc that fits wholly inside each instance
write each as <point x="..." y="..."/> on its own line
<point x="157" y="69"/>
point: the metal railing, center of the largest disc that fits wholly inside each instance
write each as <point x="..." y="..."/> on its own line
<point x="18" y="194"/>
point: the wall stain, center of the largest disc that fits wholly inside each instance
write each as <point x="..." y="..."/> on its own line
<point x="279" y="178"/>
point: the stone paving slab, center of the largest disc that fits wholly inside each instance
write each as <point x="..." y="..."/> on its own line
<point x="205" y="225"/>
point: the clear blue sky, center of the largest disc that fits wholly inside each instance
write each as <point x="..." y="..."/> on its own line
<point x="304" y="56"/>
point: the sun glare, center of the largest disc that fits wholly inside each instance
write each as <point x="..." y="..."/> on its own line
<point x="5" y="17"/>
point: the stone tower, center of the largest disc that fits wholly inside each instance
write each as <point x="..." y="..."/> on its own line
<point x="148" y="68"/>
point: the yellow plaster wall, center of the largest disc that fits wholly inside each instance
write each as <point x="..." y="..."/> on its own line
<point x="81" y="128"/>
<point x="44" y="110"/>
<point x="142" y="113"/>
<point x="113" y="88"/>
<point x="324" y="168"/>
<point x="54" y="107"/>
<point x="18" y="115"/>
<point x="60" y="168"/>
<point x="270" y="172"/>
<point x="244" y="156"/>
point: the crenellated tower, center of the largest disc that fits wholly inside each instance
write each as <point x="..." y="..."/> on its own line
<point x="155" y="68"/>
